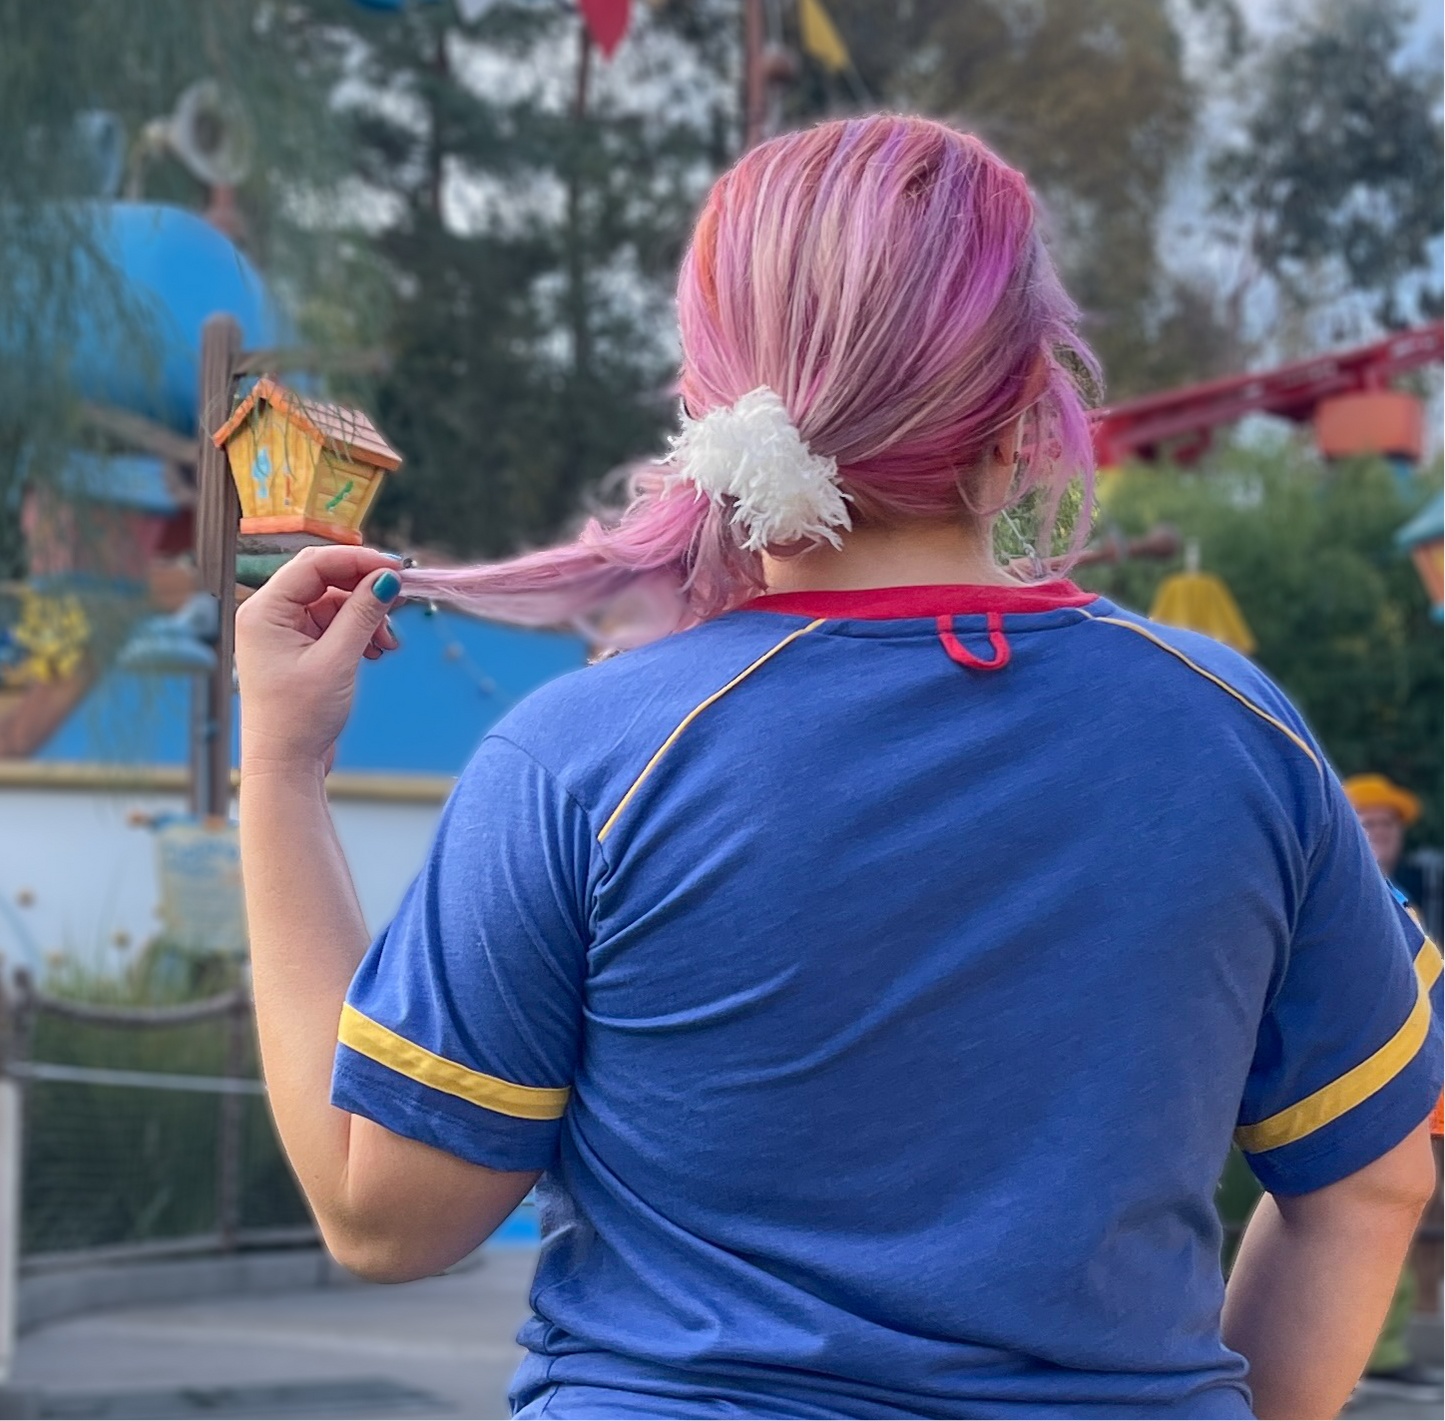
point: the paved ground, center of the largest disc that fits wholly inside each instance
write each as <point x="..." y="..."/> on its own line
<point x="441" y="1349"/>
<point x="1395" y="1411"/>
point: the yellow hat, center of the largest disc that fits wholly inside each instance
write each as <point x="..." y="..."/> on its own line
<point x="1377" y="792"/>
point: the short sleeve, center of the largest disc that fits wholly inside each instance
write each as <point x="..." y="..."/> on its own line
<point x="461" y="1027"/>
<point x="1348" y="1057"/>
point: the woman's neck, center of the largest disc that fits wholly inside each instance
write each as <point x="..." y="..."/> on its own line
<point x="919" y="554"/>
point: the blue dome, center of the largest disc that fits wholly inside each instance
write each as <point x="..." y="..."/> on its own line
<point x="181" y="270"/>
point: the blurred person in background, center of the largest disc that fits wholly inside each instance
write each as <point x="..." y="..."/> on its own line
<point x="1386" y="816"/>
<point x="872" y="969"/>
<point x="1386" y="811"/>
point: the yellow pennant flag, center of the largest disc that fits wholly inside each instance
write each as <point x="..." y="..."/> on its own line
<point x="821" y="38"/>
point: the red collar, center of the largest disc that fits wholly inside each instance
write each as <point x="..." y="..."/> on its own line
<point x="883" y="603"/>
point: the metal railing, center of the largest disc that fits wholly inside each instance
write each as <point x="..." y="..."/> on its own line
<point x="132" y="1134"/>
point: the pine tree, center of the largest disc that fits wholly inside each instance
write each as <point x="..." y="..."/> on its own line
<point x="539" y="199"/>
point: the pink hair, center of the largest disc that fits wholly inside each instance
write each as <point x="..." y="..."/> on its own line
<point x="886" y="277"/>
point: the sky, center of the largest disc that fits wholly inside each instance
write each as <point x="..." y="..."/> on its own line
<point x="1267" y="15"/>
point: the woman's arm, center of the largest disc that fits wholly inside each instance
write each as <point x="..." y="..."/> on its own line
<point x="388" y="1207"/>
<point x="1314" y="1277"/>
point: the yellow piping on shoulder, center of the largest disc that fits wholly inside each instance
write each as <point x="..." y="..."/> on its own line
<point x="1223" y="685"/>
<point x="691" y="716"/>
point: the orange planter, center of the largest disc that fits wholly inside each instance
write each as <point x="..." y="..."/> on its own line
<point x="1371" y="422"/>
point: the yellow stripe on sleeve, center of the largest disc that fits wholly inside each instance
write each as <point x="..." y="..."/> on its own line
<point x="1328" y="1103"/>
<point x="380" y="1044"/>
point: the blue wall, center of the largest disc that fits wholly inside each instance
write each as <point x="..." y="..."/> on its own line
<point x="420" y="710"/>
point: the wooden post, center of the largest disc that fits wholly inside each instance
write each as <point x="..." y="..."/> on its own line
<point x="218" y="515"/>
<point x="754" y="83"/>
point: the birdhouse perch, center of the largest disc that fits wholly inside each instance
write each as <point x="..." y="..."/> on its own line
<point x="303" y="466"/>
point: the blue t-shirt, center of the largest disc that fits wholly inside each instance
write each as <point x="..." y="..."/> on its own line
<point x="880" y="979"/>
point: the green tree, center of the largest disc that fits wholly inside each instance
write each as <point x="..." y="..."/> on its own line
<point x="540" y="199"/>
<point x="132" y="59"/>
<point x="1342" y="621"/>
<point x="1094" y="101"/>
<point x="1336" y="178"/>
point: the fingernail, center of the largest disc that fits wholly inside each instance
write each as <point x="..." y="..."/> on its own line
<point x="386" y="587"/>
<point x="396" y="557"/>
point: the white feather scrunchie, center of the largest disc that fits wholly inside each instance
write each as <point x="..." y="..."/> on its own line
<point x="751" y="453"/>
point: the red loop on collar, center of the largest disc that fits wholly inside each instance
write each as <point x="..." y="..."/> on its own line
<point x="961" y="654"/>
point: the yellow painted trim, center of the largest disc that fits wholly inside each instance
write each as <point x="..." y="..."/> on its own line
<point x="1263" y="714"/>
<point x="61" y="774"/>
<point x="172" y="779"/>
<point x="393" y="789"/>
<point x="1357" y="1085"/>
<point x="691" y="716"/>
<point x="376" y="1042"/>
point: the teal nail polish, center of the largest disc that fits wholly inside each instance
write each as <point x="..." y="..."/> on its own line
<point x="386" y="586"/>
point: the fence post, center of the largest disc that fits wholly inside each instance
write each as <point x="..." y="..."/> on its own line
<point x="14" y="1041"/>
<point x="9" y="1220"/>
<point x="228" y="1139"/>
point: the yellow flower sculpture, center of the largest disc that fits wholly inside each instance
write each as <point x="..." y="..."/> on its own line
<point x="54" y="633"/>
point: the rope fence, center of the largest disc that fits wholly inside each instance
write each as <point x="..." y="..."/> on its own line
<point x="144" y="1132"/>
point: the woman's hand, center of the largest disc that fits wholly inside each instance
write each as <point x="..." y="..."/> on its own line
<point x="298" y="641"/>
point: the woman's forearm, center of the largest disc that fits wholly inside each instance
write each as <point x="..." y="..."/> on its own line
<point x="389" y="1207"/>
<point x="307" y="937"/>
<point x="1313" y="1280"/>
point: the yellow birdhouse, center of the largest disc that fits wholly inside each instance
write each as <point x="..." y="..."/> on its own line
<point x="302" y="466"/>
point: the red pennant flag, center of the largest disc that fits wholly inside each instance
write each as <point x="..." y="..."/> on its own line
<point x="606" y="21"/>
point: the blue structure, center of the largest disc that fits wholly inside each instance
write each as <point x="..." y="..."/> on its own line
<point x="123" y="480"/>
<point x="179" y="270"/>
<point x="108" y="481"/>
<point x="418" y="711"/>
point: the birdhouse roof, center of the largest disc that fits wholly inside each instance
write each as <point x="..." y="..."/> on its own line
<point x="348" y="431"/>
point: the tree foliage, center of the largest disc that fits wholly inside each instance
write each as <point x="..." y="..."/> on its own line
<point x="132" y="59"/>
<point x="1341" y="618"/>
<point x="1337" y="174"/>
<point x="539" y="216"/>
<point x="1092" y="99"/>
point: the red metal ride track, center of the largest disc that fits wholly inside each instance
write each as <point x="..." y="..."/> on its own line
<point x="1185" y="419"/>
